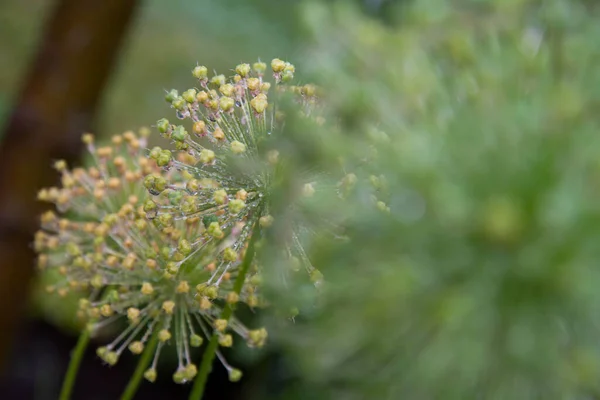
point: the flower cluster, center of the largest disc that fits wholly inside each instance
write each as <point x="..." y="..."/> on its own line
<point x="224" y="162"/>
<point x="158" y="237"/>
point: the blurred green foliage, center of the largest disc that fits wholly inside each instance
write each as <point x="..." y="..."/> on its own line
<point x="482" y="281"/>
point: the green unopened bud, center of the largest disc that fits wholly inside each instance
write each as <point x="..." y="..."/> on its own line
<point x="111" y="357"/>
<point x="164" y="158"/>
<point x="190" y="371"/>
<point x="179" y="134"/>
<point x="179" y="376"/>
<point x="171" y="95"/>
<point x="230" y="255"/>
<point x="178" y="103"/>
<point x="155" y="152"/>
<point x="196" y="340"/>
<point x="175" y="197"/>
<point x="150" y="375"/>
<point x="212" y="292"/>
<point x="235" y="374"/>
<point x="163" y="125"/>
<point x="184" y="247"/>
<point x="214" y="229"/>
<point x="165" y="220"/>
<point x="150" y="206"/>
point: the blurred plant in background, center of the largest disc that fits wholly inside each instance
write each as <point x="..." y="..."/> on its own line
<point x="482" y="280"/>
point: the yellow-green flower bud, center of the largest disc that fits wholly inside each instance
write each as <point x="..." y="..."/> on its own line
<point x="171" y="95"/>
<point x="259" y="67"/>
<point x="238" y="147"/>
<point x="200" y="72"/>
<point x="277" y="65"/>
<point x="150" y="374"/>
<point x="236" y="205"/>
<point x="178" y="103"/>
<point x="230" y="255"/>
<point x="189" y="95"/>
<point x="196" y="340"/>
<point x="220" y="196"/>
<point x="235" y="375"/>
<point x="243" y="70"/>
<point x="207" y="156"/>
<point x="225" y="340"/>
<point x="218" y="80"/>
<point x="179" y="134"/>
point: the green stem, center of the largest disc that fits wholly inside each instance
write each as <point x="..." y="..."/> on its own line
<point x="76" y="357"/>
<point x="211" y="350"/>
<point x="142" y="365"/>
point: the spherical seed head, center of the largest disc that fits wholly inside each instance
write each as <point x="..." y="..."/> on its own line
<point x="164" y="335"/>
<point x="136" y="347"/>
<point x="235" y="375"/>
<point x="150" y="375"/>
<point x="196" y="340"/>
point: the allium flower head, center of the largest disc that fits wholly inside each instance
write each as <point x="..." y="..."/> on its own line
<point x="159" y="237"/>
<point x="226" y="164"/>
<point x="160" y="274"/>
